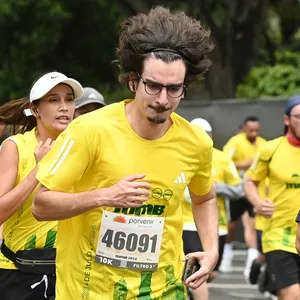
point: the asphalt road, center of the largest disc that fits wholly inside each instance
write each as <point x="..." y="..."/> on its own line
<point x="233" y="286"/>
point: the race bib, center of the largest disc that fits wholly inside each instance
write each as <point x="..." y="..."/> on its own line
<point x="129" y="241"/>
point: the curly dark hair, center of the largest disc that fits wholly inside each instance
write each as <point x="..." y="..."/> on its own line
<point x="146" y="34"/>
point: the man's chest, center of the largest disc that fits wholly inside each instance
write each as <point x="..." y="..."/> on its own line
<point x="166" y="168"/>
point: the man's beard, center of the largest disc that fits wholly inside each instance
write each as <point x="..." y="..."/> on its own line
<point x="158" y="119"/>
<point x="293" y="132"/>
<point x="251" y="139"/>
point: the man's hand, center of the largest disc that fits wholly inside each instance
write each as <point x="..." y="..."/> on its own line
<point x="265" y="208"/>
<point x="207" y="261"/>
<point x="128" y="192"/>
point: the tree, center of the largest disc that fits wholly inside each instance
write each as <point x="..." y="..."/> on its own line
<point x="277" y="74"/>
<point x="25" y="41"/>
<point x="237" y="28"/>
<point x="241" y="32"/>
<point x="78" y="38"/>
<point x="280" y="80"/>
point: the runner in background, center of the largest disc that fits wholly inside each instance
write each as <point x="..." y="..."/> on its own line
<point x="258" y="272"/>
<point x="242" y="149"/>
<point x="279" y="160"/>
<point x="228" y="187"/>
<point x="27" y="268"/>
<point x="89" y="101"/>
<point x="260" y="219"/>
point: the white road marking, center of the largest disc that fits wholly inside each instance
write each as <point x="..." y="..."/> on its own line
<point x="233" y="286"/>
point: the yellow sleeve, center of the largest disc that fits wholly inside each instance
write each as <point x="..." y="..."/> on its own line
<point x="259" y="169"/>
<point x="231" y="174"/>
<point x="201" y="183"/>
<point x="230" y="148"/>
<point x="63" y="166"/>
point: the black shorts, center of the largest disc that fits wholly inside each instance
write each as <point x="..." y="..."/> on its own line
<point x="192" y="243"/>
<point x="283" y="268"/>
<point x="17" y="285"/>
<point x="238" y="207"/>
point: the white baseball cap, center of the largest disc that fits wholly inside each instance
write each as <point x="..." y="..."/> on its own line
<point x="48" y="81"/>
<point x="202" y="123"/>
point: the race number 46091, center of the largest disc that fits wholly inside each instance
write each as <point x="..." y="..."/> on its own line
<point x="131" y="242"/>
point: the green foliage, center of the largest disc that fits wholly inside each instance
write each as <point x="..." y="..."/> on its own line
<point x="115" y="93"/>
<point x="29" y="30"/>
<point x="282" y="79"/>
<point x="77" y="38"/>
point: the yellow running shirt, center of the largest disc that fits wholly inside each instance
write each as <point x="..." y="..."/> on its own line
<point x="281" y="163"/>
<point x="239" y="148"/>
<point x="263" y="188"/>
<point x="22" y="231"/>
<point x="223" y="171"/>
<point x="125" y="253"/>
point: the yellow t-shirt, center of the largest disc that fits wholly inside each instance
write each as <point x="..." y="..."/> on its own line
<point x="239" y="148"/>
<point x="263" y="188"/>
<point x="223" y="171"/>
<point x="96" y="151"/>
<point x="22" y="231"/>
<point x="280" y="162"/>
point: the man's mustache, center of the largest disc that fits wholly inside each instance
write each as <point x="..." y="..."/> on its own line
<point x="160" y="108"/>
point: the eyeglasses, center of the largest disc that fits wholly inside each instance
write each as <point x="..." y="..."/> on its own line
<point x="154" y="88"/>
<point x="297" y="116"/>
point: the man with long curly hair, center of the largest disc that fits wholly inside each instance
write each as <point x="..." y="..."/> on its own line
<point x="115" y="179"/>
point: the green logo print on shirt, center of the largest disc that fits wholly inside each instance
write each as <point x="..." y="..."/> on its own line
<point x="174" y="290"/>
<point x="50" y="240"/>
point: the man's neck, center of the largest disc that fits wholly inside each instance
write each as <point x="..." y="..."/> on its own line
<point x="292" y="139"/>
<point x="253" y="142"/>
<point x="142" y="127"/>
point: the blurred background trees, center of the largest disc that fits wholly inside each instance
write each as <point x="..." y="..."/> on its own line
<point x="257" y="53"/>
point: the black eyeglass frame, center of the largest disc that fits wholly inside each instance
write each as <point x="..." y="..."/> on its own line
<point x="161" y="86"/>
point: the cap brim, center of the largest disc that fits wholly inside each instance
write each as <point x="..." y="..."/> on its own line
<point x="74" y="84"/>
<point x="88" y="101"/>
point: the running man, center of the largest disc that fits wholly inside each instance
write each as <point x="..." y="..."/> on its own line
<point x="279" y="159"/>
<point x="242" y="149"/>
<point x="228" y="186"/>
<point x="115" y="180"/>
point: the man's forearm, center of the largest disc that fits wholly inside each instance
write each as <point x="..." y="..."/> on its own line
<point x="206" y="220"/>
<point x="51" y="205"/>
<point x="251" y="192"/>
<point x="54" y="205"/>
